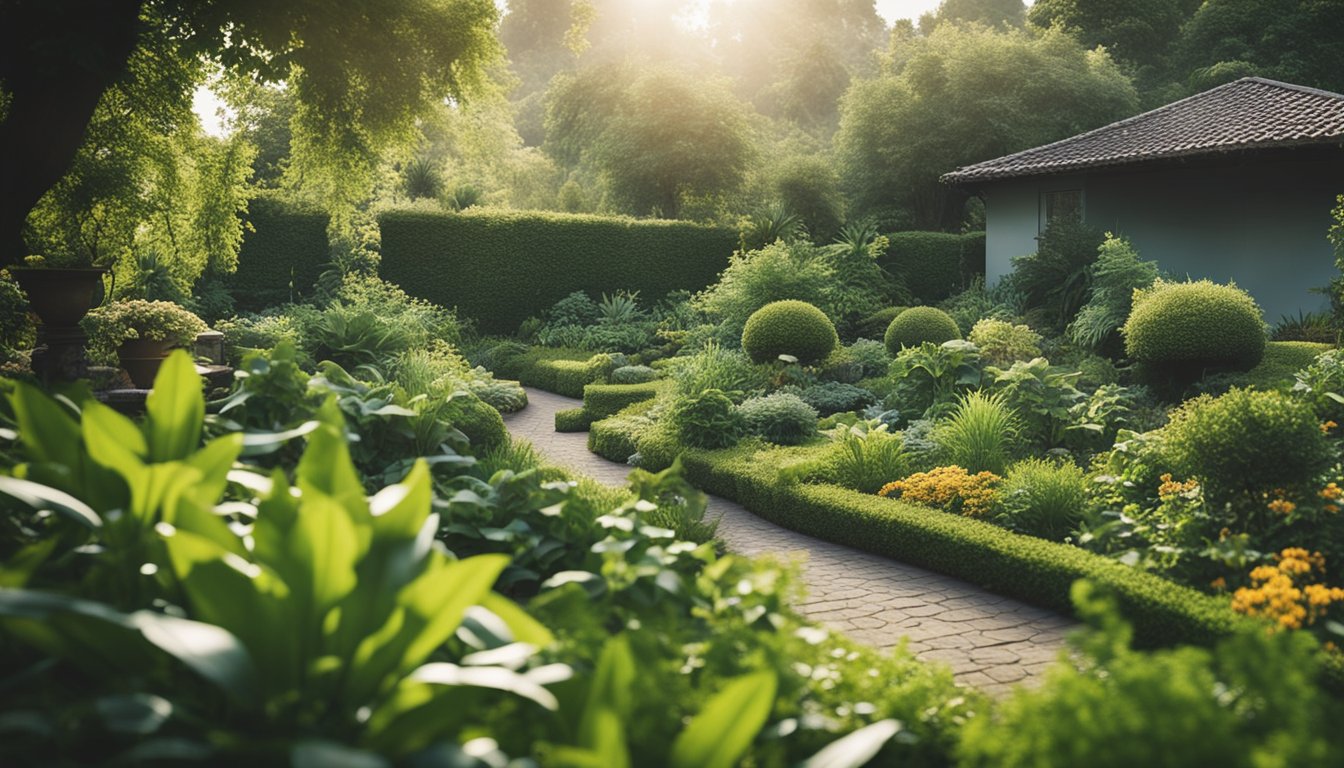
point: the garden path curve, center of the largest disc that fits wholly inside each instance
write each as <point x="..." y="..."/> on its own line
<point x="990" y="642"/>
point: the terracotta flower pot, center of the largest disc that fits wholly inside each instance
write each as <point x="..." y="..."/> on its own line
<point x="141" y="359"/>
<point x="61" y="297"/>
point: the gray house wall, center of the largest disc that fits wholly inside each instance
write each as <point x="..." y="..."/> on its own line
<point x="1261" y="222"/>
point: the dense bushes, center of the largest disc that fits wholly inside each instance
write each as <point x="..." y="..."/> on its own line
<point x="503" y="267"/>
<point x="282" y="257"/>
<point x="789" y="328"/>
<point x="918" y="325"/>
<point x="1183" y="326"/>
<point x="781" y="418"/>
<point x="934" y="265"/>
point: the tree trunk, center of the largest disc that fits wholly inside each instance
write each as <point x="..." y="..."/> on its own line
<point x="57" y="57"/>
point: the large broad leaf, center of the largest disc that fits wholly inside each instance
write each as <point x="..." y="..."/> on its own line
<point x="41" y="497"/>
<point x="856" y="749"/>
<point x="113" y="440"/>
<point x="525" y="629"/>
<point x="215" y="461"/>
<point x="399" y="511"/>
<point x="498" y="678"/>
<point x="47" y="430"/>
<point x="729" y="722"/>
<point x="611" y="691"/>
<point x="326" y="544"/>
<point x="175" y="410"/>
<point x="326" y="467"/>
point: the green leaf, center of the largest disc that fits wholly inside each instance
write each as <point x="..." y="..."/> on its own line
<point x="215" y="461"/>
<point x="611" y="690"/>
<point x="399" y="511"/>
<point x="41" y="497"/>
<point x="112" y="439"/>
<point x="856" y="749"/>
<point x="525" y="629"/>
<point x="329" y="754"/>
<point x="497" y="678"/>
<point x="326" y="467"/>
<point x="212" y="652"/>
<point x="326" y="543"/>
<point x="729" y="722"/>
<point x="175" y="410"/>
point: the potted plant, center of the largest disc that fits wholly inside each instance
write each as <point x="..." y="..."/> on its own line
<point x="60" y="292"/>
<point x="140" y="334"/>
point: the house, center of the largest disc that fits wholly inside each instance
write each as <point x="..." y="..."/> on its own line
<point x="1234" y="183"/>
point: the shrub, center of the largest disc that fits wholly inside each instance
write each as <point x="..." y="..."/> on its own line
<point x="929" y="377"/>
<point x="951" y="489"/>
<point x="781" y="418"/>
<point x="834" y="397"/>
<point x="780" y="271"/>
<point x="1041" y="396"/>
<point x="482" y="424"/>
<point x="918" y="325"/>
<point x="874" y="326"/>
<point x="789" y="328"/>
<point x="864" y="458"/>
<point x="706" y="420"/>
<point x="633" y="374"/>
<point x="576" y="309"/>
<point x="1117" y="273"/>
<point x="501" y="267"/>
<point x="715" y="367"/>
<point x="282" y="254"/>
<point x="1001" y="343"/>
<point x="871" y="357"/>
<point x="1055" y="279"/>
<point x="1043" y="498"/>
<point x="934" y="265"/>
<point x="979" y="434"/>
<point x="1184" y="326"/>
<point x="1318" y="327"/>
<point x="1246" y="443"/>
<point x="1318" y="381"/>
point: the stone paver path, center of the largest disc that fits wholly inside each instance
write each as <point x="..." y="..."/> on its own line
<point x="990" y="642"/>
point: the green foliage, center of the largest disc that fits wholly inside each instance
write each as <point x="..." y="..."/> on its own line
<point x="1246" y="443"/>
<point x="17" y="329"/>
<point x="717" y="368"/>
<point x="777" y="272"/>
<point x="1056" y="278"/>
<point x="1002" y="343"/>
<point x="1043" y="498"/>
<point x="1318" y="327"/>
<point x="112" y="325"/>
<point x="934" y="265"/>
<point x="781" y="418"/>
<point x="1250" y="701"/>
<point x="980" y="433"/>
<point x="863" y="457"/>
<point x="633" y="374"/>
<point x="1116" y="275"/>
<point x="1317" y="382"/>
<point x="1138" y="32"/>
<point x="764" y="227"/>
<point x="832" y="397"/>
<point x="930" y="377"/>
<point x="940" y="103"/>
<point x="1042" y="397"/>
<point x="500" y="268"/>
<point x="706" y="420"/>
<point x="789" y="327"/>
<point x="809" y="186"/>
<point x="871" y="357"/>
<point x="874" y="326"/>
<point x="578" y="308"/>
<point x="1183" y="326"/>
<point x="282" y="255"/>
<point x="421" y="178"/>
<point x="920" y="325"/>
<point x="1251" y="35"/>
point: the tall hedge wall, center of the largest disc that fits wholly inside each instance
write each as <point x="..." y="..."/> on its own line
<point x="935" y="265"/>
<point x="283" y="254"/>
<point x="503" y="267"/>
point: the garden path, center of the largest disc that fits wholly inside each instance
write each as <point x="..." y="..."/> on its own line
<point x="990" y="642"/>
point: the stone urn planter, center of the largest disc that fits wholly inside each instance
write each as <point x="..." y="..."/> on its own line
<point x="141" y="359"/>
<point x="61" y="296"/>
<point x="139" y="335"/>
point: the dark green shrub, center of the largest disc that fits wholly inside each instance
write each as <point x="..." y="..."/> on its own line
<point x="1043" y="498"/>
<point x="573" y="420"/>
<point x="603" y="400"/>
<point x="797" y="270"/>
<point x="502" y="267"/>
<point x="482" y="425"/>
<point x="871" y="357"/>
<point x="281" y="256"/>
<point x="781" y="418"/>
<point x="918" y="325"/>
<point x="706" y="420"/>
<point x="578" y="309"/>
<point x="789" y="328"/>
<point x="934" y="265"/>
<point x="833" y="397"/>
<point x="874" y="326"/>
<point x="1185" y="326"/>
<point x="1247" y="443"/>
<point x="1117" y="273"/>
<point x="1055" y="280"/>
<point x="633" y="374"/>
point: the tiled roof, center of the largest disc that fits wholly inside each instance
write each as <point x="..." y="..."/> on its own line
<point x="1250" y="113"/>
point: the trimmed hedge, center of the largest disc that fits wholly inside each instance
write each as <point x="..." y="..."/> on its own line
<point x="934" y="265"/>
<point x="283" y="254"/>
<point x="501" y="267"/>
<point x="601" y="401"/>
<point x="789" y="327"/>
<point x="559" y="370"/>
<point x="1195" y="325"/>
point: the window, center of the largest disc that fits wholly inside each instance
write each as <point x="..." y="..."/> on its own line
<point x="1061" y="204"/>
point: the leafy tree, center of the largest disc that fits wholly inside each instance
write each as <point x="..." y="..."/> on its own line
<point x="1136" y="31"/>
<point x="992" y="13"/>
<point x="655" y="138"/>
<point x="962" y="95"/>
<point x="1300" y="41"/>
<point x="355" y="91"/>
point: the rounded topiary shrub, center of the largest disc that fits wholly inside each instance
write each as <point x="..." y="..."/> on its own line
<point x="706" y="420"/>
<point x="781" y="418"/>
<point x="917" y="325"/>
<point x="1195" y="325"/>
<point x="789" y="328"/>
<point x="1246" y="443"/>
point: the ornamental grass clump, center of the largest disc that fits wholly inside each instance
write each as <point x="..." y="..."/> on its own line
<point x="1179" y="328"/>
<point x="1043" y="498"/>
<point x="951" y="489"/>
<point x="793" y="328"/>
<point x="918" y="325"/>
<point x="979" y="434"/>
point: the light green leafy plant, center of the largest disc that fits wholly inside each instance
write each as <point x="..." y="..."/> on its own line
<point x="110" y="326"/>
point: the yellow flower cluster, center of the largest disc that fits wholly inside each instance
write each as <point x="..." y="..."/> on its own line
<point x="1170" y="488"/>
<point x="949" y="488"/>
<point x="1332" y="493"/>
<point x="1327" y="426"/>
<point x="1277" y="591"/>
